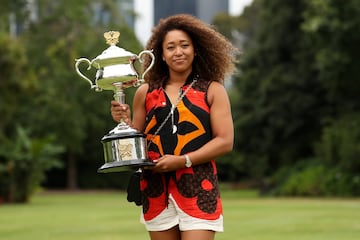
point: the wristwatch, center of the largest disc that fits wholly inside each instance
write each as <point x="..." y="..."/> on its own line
<point x="188" y="162"/>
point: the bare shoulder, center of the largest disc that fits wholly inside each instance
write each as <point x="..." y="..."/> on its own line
<point x="214" y="86"/>
<point x="141" y="90"/>
<point x="216" y="90"/>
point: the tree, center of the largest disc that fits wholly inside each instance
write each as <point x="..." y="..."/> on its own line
<point x="23" y="163"/>
<point x="55" y="100"/>
<point x="298" y="75"/>
<point x="23" y="157"/>
<point x="240" y="31"/>
<point x="278" y="100"/>
<point x="12" y="13"/>
<point x="78" y="116"/>
<point x="13" y="63"/>
<point x="331" y="30"/>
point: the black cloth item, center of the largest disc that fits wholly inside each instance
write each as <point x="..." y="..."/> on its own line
<point x="133" y="189"/>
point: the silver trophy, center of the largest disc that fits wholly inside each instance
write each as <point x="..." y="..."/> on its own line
<point x="115" y="70"/>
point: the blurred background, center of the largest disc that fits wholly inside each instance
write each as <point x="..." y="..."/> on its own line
<point x="295" y="97"/>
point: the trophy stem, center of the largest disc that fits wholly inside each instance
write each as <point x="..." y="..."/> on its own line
<point x="119" y="94"/>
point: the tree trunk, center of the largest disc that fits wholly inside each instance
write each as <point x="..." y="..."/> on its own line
<point x="72" y="173"/>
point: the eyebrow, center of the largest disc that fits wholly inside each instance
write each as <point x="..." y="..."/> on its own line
<point x="181" y="41"/>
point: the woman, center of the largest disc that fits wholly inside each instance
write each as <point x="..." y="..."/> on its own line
<point x="185" y="113"/>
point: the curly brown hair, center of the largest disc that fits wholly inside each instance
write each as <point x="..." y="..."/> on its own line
<point x="215" y="55"/>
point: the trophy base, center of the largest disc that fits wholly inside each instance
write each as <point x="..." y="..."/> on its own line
<point x="123" y="166"/>
<point x="124" y="149"/>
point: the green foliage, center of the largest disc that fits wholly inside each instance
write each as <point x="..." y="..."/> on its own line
<point x="230" y="167"/>
<point x="343" y="184"/>
<point x="304" y="181"/>
<point x="240" y="29"/>
<point x="339" y="149"/>
<point x="65" y="105"/>
<point x="313" y="178"/>
<point x="16" y="81"/>
<point x="340" y="144"/>
<point x="23" y="163"/>
<point x="12" y="9"/>
<point x="300" y="75"/>
<point x="280" y="97"/>
<point x="331" y="29"/>
<point x="336" y="172"/>
<point x="295" y="97"/>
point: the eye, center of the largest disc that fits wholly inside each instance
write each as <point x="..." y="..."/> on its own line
<point x="170" y="48"/>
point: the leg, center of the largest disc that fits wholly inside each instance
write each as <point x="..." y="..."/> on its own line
<point x="170" y="234"/>
<point x="198" y="235"/>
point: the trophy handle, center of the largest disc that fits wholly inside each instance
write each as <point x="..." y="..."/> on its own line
<point x="141" y="59"/>
<point x="81" y="60"/>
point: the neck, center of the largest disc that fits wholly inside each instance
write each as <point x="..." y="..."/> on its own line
<point x="179" y="78"/>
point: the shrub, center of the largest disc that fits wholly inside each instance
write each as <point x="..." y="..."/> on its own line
<point x="314" y="178"/>
<point x="340" y="144"/>
<point x="23" y="162"/>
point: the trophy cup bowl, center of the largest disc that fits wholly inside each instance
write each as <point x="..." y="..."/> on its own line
<point x="124" y="147"/>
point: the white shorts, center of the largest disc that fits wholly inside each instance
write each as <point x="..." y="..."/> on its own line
<point x="173" y="215"/>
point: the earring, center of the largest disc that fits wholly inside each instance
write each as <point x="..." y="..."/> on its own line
<point x="163" y="59"/>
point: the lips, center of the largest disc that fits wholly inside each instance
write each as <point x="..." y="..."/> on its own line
<point x="180" y="60"/>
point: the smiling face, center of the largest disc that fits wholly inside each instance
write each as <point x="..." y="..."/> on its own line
<point x="178" y="52"/>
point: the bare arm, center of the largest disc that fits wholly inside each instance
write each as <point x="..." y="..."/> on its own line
<point x="221" y="126"/>
<point x="139" y="112"/>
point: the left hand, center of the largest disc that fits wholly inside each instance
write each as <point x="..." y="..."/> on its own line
<point x="168" y="163"/>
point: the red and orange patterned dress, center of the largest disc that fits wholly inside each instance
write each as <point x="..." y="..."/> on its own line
<point x="194" y="189"/>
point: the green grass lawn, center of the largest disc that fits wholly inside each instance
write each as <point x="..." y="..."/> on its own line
<point x="107" y="216"/>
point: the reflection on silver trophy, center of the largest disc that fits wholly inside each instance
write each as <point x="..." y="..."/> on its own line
<point x="116" y="70"/>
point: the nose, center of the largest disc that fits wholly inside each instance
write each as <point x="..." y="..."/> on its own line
<point x="178" y="51"/>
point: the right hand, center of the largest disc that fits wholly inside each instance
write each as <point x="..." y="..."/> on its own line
<point x="120" y="112"/>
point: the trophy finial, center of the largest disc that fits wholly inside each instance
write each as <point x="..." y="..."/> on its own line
<point x="112" y="37"/>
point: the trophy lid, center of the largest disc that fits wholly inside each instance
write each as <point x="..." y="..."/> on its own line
<point x="113" y="54"/>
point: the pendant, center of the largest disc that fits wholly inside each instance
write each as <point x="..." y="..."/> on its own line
<point x="174" y="129"/>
